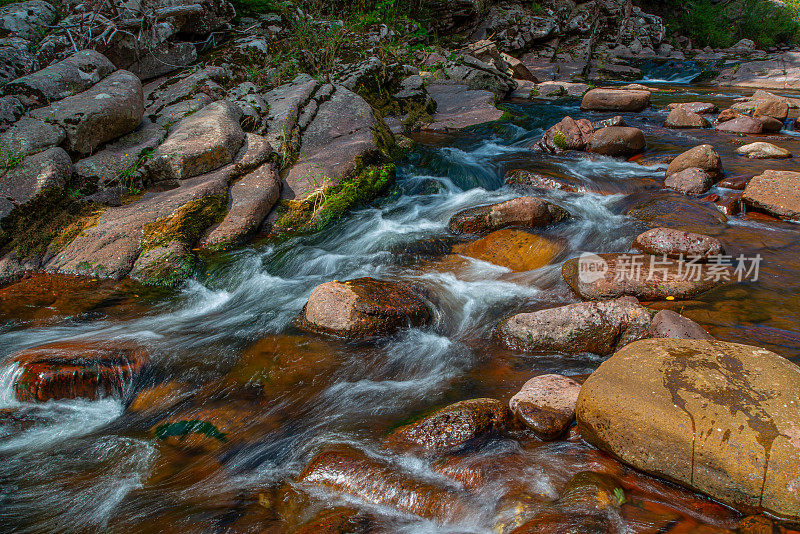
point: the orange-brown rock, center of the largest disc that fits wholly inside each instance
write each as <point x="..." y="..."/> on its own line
<point x="776" y="192"/>
<point x="336" y="521"/>
<point x="695" y="107"/>
<point x="350" y="471"/>
<point x="77" y="369"/>
<point x="514" y="249"/>
<point x="615" y="100"/>
<point x="676" y="243"/>
<point x="681" y="117"/>
<point x="720" y="418"/>
<point x="363" y="308"/>
<point x="524" y="212"/>
<point x="546" y="404"/>
<point x="452" y="428"/>
<point x="568" y="134"/>
<point x="702" y="157"/>
<point x="617" y="141"/>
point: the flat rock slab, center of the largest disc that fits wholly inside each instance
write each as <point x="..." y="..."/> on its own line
<point x="720" y="418"/>
<point x="109" y="109"/>
<point x="286" y="102"/>
<point x="605" y="276"/>
<point x="340" y="132"/>
<point x="66" y="78"/>
<point x="458" y="107"/>
<point x="780" y="73"/>
<point x="777" y="192"/>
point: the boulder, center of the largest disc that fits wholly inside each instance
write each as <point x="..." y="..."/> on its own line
<point x="691" y="181"/>
<point x="350" y="471"/>
<point x="518" y="69"/>
<point x="109" y="109"/>
<point x="608" y="276"/>
<point x="702" y="157"/>
<point x="459" y="107"/>
<point x="719" y="418"/>
<point x="682" y="118"/>
<point x="452" y="428"/>
<point x="26" y="20"/>
<point x="741" y="124"/>
<point x="546" y="404"/>
<point x="515" y="250"/>
<point x="776" y="192"/>
<point x="770" y="124"/>
<point x="528" y="179"/>
<point x="617" y="120"/>
<point x="737" y="183"/>
<point x="598" y="327"/>
<point x="727" y="114"/>
<point x="677" y="243"/>
<point x="617" y="141"/>
<point x="568" y="134"/>
<point x="200" y="143"/>
<point x="669" y="324"/>
<point x="675" y="210"/>
<point x="777" y="109"/>
<point x="28" y="136"/>
<point x="66" y="78"/>
<point x="73" y="369"/>
<point x="35" y="174"/>
<point x="700" y="108"/>
<point x="615" y="100"/>
<point x="363" y="308"/>
<point x="525" y="212"/>
<point x="762" y="150"/>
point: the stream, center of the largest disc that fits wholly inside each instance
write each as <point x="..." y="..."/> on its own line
<point x="225" y="347"/>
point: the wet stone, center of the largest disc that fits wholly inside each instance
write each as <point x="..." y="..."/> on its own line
<point x="546" y="404"/>
<point x="526" y="212"/>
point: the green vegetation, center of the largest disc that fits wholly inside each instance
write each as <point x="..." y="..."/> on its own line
<point x="128" y="179"/>
<point x="560" y="140"/>
<point x="181" y="429"/>
<point x="723" y="24"/>
<point x="10" y="159"/>
<point x="187" y="224"/>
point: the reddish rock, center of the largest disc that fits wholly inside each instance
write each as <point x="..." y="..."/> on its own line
<point x="615" y="100"/>
<point x="735" y="182"/>
<point x="770" y="124"/>
<point x="774" y="108"/>
<point x="452" y="428"/>
<point x="617" y="141"/>
<point x="675" y="243"/>
<point x="337" y="521"/>
<point x="729" y="204"/>
<point x="363" y="308"/>
<point x="726" y="115"/>
<point x="546" y="404"/>
<point x="741" y="124"/>
<point x="515" y="250"/>
<point x="73" y="369"/>
<point x="646" y="278"/>
<point x="669" y="324"/>
<point x="683" y="118"/>
<point x="350" y="471"/>
<point x="526" y="212"/>
<point x="538" y="181"/>
<point x="598" y="327"/>
<point x="702" y="157"/>
<point x="616" y="120"/>
<point x="691" y="181"/>
<point x="701" y="108"/>
<point x="776" y="192"/>
<point x="569" y="134"/>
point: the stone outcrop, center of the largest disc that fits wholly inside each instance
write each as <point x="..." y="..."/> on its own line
<point x="523" y="212"/>
<point x="720" y="418"/>
<point x="776" y="192"/>
<point x="363" y="308"/>
<point x="598" y="327"/>
<point x="50" y="169"/>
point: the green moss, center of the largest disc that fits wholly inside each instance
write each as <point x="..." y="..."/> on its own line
<point x="187" y="224"/>
<point x="50" y="220"/>
<point x="181" y="429"/>
<point x="169" y="269"/>
<point x="560" y="140"/>
<point x="320" y="209"/>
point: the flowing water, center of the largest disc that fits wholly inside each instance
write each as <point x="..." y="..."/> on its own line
<point x="225" y="349"/>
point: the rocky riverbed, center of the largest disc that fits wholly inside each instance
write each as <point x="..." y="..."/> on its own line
<point x="463" y="292"/>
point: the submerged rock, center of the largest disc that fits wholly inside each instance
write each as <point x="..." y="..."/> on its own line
<point x="606" y="276"/>
<point x="452" y="428"/>
<point x="702" y="157"/>
<point x="525" y="212"/>
<point x="677" y="243"/>
<point x="363" y="308"/>
<point x="350" y="471"/>
<point x="617" y="141"/>
<point x="73" y="369"/>
<point x="615" y="100"/>
<point x="598" y="327"/>
<point x="741" y="124"/>
<point x="546" y="404"/>
<point x="515" y="250"/>
<point x="720" y="418"/>
<point x="776" y="192"/>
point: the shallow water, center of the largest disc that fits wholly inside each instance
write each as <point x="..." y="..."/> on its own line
<point x="225" y="348"/>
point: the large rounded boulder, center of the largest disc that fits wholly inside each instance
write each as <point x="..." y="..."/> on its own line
<point x="701" y="157"/>
<point x="615" y="100"/>
<point x="525" y="212"/>
<point x="720" y="418"/>
<point x="363" y="308"/>
<point x="681" y="117"/>
<point x="617" y="141"/>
